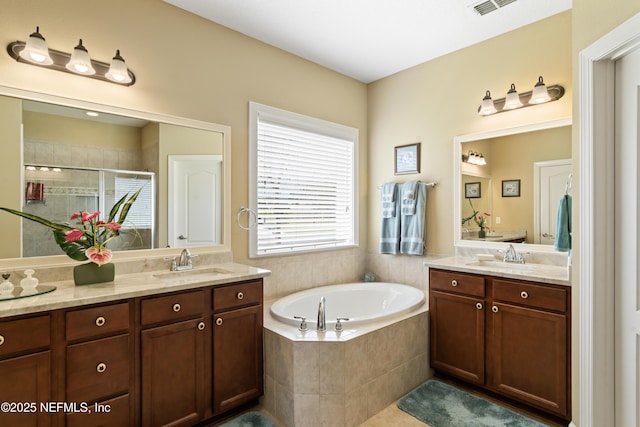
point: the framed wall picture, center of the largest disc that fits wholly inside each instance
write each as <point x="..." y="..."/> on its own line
<point x="407" y="159"/>
<point x="511" y="188"/>
<point x="472" y="190"/>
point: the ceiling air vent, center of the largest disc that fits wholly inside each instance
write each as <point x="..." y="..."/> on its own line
<point x="484" y="7"/>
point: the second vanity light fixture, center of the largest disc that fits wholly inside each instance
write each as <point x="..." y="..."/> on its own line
<point x="36" y="52"/>
<point x="539" y="95"/>
<point x="474" y="158"/>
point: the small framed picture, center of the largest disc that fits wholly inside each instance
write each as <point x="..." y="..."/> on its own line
<point x="511" y="188"/>
<point x="407" y="159"/>
<point x="472" y="190"/>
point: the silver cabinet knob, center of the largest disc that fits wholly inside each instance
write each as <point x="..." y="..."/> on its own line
<point x="1" y="340"/>
<point x="100" y="321"/>
<point x="479" y="305"/>
<point x="219" y="321"/>
<point x="101" y="367"/>
<point x="201" y="326"/>
<point x="524" y="294"/>
<point x="176" y="307"/>
<point x="454" y="283"/>
<point x="239" y="295"/>
<point x="494" y="309"/>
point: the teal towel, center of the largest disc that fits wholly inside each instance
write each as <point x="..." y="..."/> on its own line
<point x="563" y="227"/>
<point x="412" y="227"/>
<point x="390" y="227"/>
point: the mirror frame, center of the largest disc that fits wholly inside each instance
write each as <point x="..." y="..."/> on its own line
<point x="61" y="260"/>
<point x="458" y="242"/>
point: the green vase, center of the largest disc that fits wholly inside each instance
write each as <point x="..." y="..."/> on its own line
<point x="482" y="234"/>
<point x="89" y="273"/>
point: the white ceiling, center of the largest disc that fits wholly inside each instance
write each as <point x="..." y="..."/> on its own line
<point x="370" y="39"/>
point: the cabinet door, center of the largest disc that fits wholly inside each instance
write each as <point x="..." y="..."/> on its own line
<point x="173" y="377"/>
<point x="237" y="357"/>
<point x="26" y="380"/>
<point x="457" y="335"/>
<point x="529" y="358"/>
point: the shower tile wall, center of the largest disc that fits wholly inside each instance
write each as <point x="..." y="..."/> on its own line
<point x="61" y="154"/>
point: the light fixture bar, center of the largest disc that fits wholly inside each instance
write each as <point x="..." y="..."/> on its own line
<point x="555" y="92"/>
<point x="61" y="59"/>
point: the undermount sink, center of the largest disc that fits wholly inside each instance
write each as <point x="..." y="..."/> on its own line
<point x="505" y="265"/>
<point x="208" y="272"/>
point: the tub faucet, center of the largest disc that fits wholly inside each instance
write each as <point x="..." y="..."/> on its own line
<point x="322" y="326"/>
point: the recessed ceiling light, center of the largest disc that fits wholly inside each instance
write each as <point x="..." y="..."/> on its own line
<point x="92" y="114"/>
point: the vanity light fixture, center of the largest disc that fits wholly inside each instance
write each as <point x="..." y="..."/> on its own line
<point x="474" y="158"/>
<point x="36" y="52"/>
<point x="540" y="94"/>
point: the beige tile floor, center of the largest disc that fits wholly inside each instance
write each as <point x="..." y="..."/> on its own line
<point x="392" y="416"/>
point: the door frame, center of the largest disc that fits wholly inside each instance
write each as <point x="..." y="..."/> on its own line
<point x="596" y="244"/>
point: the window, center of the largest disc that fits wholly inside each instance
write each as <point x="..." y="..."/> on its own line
<point x="303" y="182"/>
<point x="140" y="214"/>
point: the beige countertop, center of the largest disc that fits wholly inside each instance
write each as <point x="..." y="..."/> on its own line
<point x="129" y="286"/>
<point x="543" y="273"/>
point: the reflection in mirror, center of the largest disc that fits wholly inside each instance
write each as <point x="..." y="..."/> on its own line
<point x="539" y="156"/>
<point x="75" y="162"/>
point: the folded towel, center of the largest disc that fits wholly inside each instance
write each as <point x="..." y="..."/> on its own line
<point x="390" y="227"/>
<point x="409" y="197"/>
<point x="412" y="240"/>
<point x="563" y="226"/>
<point x="388" y="199"/>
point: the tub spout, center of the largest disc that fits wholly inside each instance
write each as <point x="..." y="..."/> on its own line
<point x="322" y="326"/>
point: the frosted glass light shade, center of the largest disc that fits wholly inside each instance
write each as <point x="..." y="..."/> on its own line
<point x="540" y="94"/>
<point x="118" y="70"/>
<point x="512" y="101"/>
<point x="36" y="49"/>
<point x="80" y="62"/>
<point x="487" y="107"/>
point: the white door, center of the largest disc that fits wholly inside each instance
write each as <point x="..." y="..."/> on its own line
<point x="550" y="184"/>
<point x="627" y="219"/>
<point x="195" y="183"/>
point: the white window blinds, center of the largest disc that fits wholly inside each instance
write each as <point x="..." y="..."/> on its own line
<point x="304" y="185"/>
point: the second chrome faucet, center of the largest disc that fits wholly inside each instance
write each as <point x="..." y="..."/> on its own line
<point x="321" y="324"/>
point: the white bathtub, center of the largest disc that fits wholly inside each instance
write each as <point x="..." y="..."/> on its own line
<point x="360" y="302"/>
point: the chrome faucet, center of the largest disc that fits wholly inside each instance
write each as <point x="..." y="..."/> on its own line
<point x="322" y="325"/>
<point x="511" y="255"/>
<point x="183" y="262"/>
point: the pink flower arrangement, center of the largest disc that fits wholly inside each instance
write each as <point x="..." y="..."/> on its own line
<point x="86" y="239"/>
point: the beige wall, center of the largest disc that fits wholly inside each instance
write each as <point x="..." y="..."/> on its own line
<point x="437" y="100"/>
<point x="161" y="44"/>
<point x="10" y="173"/>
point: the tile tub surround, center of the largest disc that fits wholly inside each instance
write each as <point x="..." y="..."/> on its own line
<point x="318" y="379"/>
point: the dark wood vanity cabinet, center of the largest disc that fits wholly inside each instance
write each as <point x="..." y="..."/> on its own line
<point x="237" y="345"/>
<point x="170" y="359"/>
<point x="513" y="339"/>
<point x="25" y="371"/>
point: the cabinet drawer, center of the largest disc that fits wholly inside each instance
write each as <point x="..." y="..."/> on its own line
<point x="243" y="294"/>
<point x="172" y="307"/>
<point x="459" y="283"/>
<point x="530" y="295"/>
<point x="97" y="369"/>
<point x="24" y="334"/>
<point x="110" y="413"/>
<point x="95" y="321"/>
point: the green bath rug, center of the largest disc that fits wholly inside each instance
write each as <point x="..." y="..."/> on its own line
<point x="441" y="405"/>
<point x="250" y="419"/>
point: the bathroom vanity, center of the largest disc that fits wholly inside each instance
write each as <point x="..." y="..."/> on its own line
<point x="492" y="328"/>
<point x="150" y="350"/>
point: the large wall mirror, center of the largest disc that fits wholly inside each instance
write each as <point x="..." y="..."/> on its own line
<point x="78" y="156"/>
<point x="514" y="178"/>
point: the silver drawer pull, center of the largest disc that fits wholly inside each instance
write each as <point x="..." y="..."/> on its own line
<point x="1" y="340"/>
<point x="494" y="309"/>
<point x="219" y="321"/>
<point x="239" y="295"/>
<point x="524" y="294"/>
<point x="454" y="283"/>
<point x="100" y="321"/>
<point x="201" y="326"/>
<point x="176" y="307"/>
<point x="479" y="305"/>
<point x="101" y="367"/>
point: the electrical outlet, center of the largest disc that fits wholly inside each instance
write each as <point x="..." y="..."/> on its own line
<point x="497" y="220"/>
